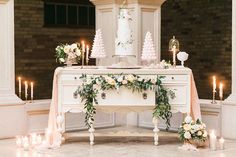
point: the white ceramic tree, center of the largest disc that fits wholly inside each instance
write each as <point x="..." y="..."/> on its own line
<point x="98" y="50"/>
<point x="148" y="52"/>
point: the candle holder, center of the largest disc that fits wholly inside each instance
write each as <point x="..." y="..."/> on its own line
<point x="213" y="97"/>
<point x="82" y="58"/>
<point x="174" y="47"/>
<point x="19" y="95"/>
<point x="87" y="61"/>
<point x="26" y="97"/>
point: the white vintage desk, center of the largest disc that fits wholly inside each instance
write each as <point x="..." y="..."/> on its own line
<point x="177" y="79"/>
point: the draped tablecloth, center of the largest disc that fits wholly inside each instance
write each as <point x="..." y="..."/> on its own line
<point x="55" y="136"/>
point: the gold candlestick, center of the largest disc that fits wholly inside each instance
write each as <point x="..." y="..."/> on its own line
<point x="213" y="97"/>
<point x="174" y="47"/>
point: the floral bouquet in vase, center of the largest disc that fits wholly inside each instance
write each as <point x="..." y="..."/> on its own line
<point x="68" y="54"/>
<point x="193" y="132"/>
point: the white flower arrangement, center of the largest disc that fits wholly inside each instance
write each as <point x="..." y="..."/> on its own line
<point x="68" y="53"/>
<point x="165" y="65"/>
<point x="192" y="130"/>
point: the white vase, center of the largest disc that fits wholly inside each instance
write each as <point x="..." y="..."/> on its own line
<point x="182" y="56"/>
<point x="70" y="62"/>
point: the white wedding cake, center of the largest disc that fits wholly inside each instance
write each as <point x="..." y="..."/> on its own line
<point x="124" y="41"/>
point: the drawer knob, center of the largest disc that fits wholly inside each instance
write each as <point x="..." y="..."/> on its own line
<point x="75" y="95"/>
<point x="144" y="95"/>
<point x="103" y="95"/>
<point x="75" y="78"/>
<point x="172" y="78"/>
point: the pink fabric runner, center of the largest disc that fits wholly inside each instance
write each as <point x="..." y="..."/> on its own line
<point x="55" y="136"/>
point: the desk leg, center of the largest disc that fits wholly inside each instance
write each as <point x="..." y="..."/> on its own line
<point x="91" y="135"/>
<point x="155" y="130"/>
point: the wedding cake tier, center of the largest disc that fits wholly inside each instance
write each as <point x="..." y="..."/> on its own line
<point x="124" y="41"/>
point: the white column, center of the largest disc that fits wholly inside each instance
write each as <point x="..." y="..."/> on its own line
<point x="232" y="97"/>
<point x="229" y="105"/>
<point x="7" y="68"/>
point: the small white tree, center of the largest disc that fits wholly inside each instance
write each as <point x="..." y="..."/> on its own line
<point x="148" y="52"/>
<point x="98" y="50"/>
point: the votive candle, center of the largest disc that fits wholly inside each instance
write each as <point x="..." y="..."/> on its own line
<point x="39" y="139"/>
<point x="222" y="141"/>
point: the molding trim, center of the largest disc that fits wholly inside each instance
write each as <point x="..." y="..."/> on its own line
<point x="119" y="2"/>
<point x="3" y="1"/>
<point x="37" y="112"/>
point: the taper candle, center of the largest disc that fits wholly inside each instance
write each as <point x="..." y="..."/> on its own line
<point x="214" y="84"/>
<point x="87" y="54"/>
<point x="19" y="81"/>
<point x="221" y="91"/>
<point x="26" y="90"/>
<point x="83" y="46"/>
<point x="32" y="90"/>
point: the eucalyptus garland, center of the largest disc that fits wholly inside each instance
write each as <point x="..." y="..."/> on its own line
<point x="91" y="85"/>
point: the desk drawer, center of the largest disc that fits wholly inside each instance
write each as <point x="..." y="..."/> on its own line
<point x="175" y="78"/>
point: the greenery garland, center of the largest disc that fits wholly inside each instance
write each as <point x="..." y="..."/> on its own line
<point x="91" y="85"/>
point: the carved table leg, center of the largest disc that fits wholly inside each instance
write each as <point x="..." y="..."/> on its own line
<point x="155" y="130"/>
<point x="91" y="135"/>
<point x="61" y="126"/>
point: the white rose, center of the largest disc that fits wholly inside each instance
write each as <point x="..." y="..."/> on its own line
<point x="77" y="52"/>
<point x="188" y="119"/>
<point x="124" y="82"/>
<point x="62" y="60"/>
<point x="88" y="81"/>
<point x="73" y="46"/>
<point x="98" y="82"/>
<point x="194" y="127"/>
<point x="187" y="135"/>
<point x="187" y="127"/>
<point x="199" y="133"/>
<point x="67" y="49"/>
<point x="130" y="78"/>
<point x="120" y="79"/>
<point x="140" y="79"/>
<point x="205" y="133"/>
<point x="111" y="81"/>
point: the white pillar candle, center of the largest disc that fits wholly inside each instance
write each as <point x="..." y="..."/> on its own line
<point x="213" y="140"/>
<point x="214" y="83"/>
<point x="33" y="138"/>
<point x="19" y="81"/>
<point x="31" y="90"/>
<point x="19" y="141"/>
<point x="221" y="91"/>
<point x="26" y="143"/>
<point x="39" y="139"/>
<point x="26" y="90"/>
<point x="222" y="141"/>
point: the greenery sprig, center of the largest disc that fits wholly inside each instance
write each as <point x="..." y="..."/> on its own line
<point x="91" y="85"/>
